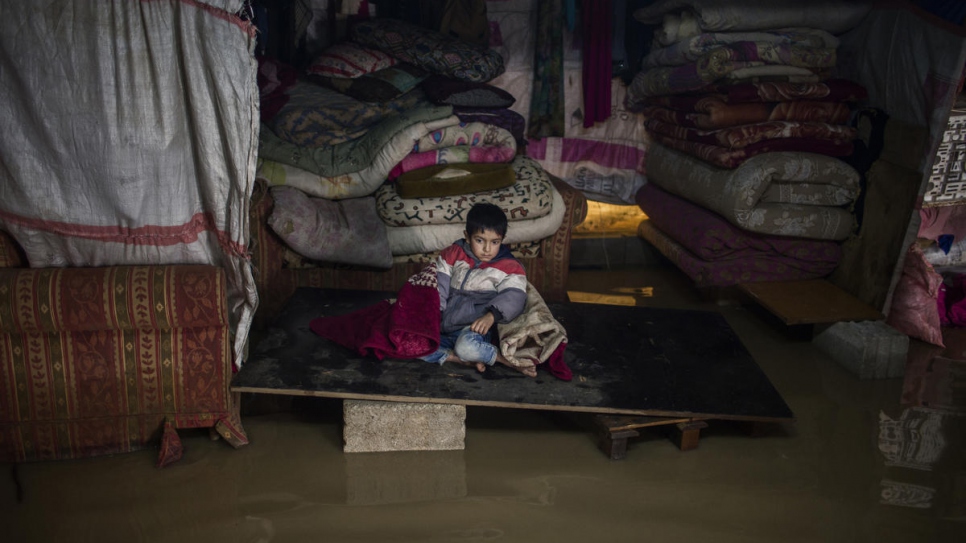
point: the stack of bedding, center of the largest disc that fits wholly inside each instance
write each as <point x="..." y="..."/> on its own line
<point x="748" y="124"/>
<point x="375" y="154"/>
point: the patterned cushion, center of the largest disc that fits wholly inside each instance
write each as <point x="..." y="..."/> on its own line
<point x="350" y="60"/>
<point x="433" y="51"/>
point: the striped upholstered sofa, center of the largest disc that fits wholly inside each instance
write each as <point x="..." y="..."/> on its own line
<point x="107" y="360"/>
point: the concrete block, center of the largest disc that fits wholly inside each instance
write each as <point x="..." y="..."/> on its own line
<point x="372" y="426"/>
<point x="869" y="349"/>
<point x="404" y="477"/>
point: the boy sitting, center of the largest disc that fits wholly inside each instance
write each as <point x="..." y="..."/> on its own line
<point x="480" y="283"/>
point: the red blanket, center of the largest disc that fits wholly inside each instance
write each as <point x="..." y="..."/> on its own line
<point x="407" y="328"/>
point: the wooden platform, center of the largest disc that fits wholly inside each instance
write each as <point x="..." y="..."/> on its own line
<point x="672" y="365"/>
<point x="811" y="302"/>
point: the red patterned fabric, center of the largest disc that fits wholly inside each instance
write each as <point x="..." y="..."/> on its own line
<point x="407" y="328"/>
<point x="94" y="360"/>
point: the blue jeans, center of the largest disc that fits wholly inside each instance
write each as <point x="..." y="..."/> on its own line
<point x="468" y="346"/>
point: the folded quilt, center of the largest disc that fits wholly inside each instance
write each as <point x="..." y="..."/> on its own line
<point x="718" y="63"/>
<point x="725" y="273"/>
<point x="712" y="113"/>
<point x="739" y="137"/>
<point x="409" y="240"/>
<point x="829" y="90"/>
<point x="316" y="116"/>
<point x="457" y="154"/>
<point x="465" y="142"/>
<point x="348" y="170"/>
<point x="355" y="155"/>
<point x="834" y="16"/>
<point x="530" y="197"/>
<point x="773" y="193"/>
<point x="709" y="237"/>
<point x="504" y="118"/>
<point x="693" y="48"/>
<point x="724" y="157"/>
<point x="534" y="336"/>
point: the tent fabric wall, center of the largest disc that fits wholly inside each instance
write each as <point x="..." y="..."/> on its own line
<point x="130" y="133"/>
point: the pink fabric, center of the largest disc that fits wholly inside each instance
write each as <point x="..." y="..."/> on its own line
<point x="952" y="301"/>
<point x="557" y="365"/>
<point x="914" y="309"/>
<point x="937" y="221"/>
<point x="596" y="67"/>
<point x="408" y="328"/>
<point x="474" y="155"/>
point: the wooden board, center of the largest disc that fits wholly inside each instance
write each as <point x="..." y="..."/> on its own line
<point x="814" y="301"/>
<point x="625" y="360"/>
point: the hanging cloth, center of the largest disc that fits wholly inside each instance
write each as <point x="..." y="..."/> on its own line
<point x="466" y="20"/>
<point x="595" y="17"/>
<point x="547" y="104"/>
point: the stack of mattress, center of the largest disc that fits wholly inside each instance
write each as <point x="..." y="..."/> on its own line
<point x="748" y="125"/>
<point x="376" y="153"/>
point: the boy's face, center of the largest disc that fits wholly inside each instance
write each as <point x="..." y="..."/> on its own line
<point x="484" y="244"/>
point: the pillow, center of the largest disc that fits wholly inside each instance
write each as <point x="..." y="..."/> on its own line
<point x="350" y="60"/>
<point x="381" y="86"/>
<point x="345" y="231"/>
<point x="446" y="90"/>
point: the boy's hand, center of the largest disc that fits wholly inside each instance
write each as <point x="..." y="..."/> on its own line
<point x="482" y="325"/>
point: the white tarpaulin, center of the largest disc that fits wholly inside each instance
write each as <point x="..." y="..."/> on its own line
<point x="130" y="132"/>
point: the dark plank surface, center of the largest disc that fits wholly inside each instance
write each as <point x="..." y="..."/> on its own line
<point x="813" y="301"/>
<point x="625" y="360"/>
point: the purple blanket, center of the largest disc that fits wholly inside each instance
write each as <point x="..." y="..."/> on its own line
<point x="713" y="252"/>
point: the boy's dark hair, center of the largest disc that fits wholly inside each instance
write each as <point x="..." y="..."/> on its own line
<point x="486" y="217"/>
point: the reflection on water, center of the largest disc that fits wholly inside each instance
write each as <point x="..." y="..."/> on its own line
<point x="923" y="448"/>
<point x="913" y="441"/>
<point x="401" y="477"/>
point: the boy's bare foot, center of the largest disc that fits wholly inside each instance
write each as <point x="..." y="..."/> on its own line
<point x="480" y="367"/>
<point x="529" y="371"/>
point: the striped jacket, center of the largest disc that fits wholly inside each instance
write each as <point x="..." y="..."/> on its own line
<point x="469" y="288"/>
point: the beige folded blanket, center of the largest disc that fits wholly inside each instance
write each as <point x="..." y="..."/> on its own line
<point x="533" y="336"/>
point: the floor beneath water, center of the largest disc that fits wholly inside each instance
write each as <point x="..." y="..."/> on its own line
<point x="878" y="461"/>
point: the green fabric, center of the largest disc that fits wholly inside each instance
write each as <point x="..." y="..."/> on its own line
<point x="347" y="157"/>
<point x="547" y="104"/>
